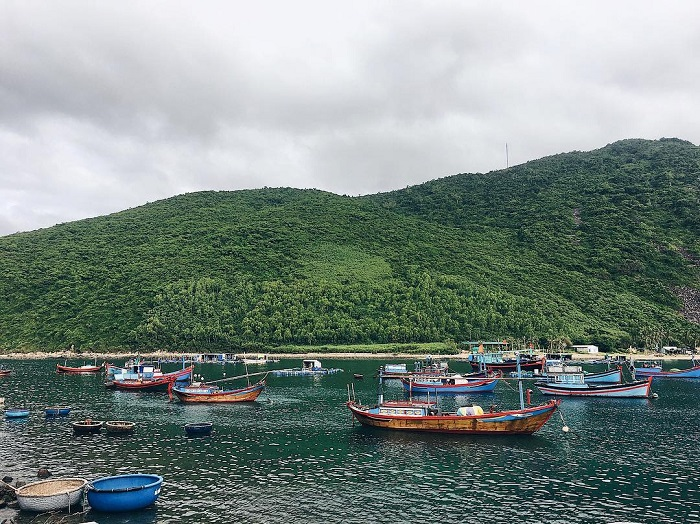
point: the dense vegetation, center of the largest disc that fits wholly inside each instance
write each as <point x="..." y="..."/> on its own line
<point x="586" y="247"/>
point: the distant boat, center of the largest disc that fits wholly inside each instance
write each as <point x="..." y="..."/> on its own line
<point x="57" y="411"/>
<point x="453" y="384"/>
<point x="123" y="492"/>
<point x="573" y="385"/>
<point x="87" y="426"/>
<point x="467" y="420"/>
<point x="358" y="376"/>
<point x="654" y="369"/>
<point x="211" y="393"/>
<point x="119" y="427"/>
<point x="508" y="365"/>
<point x="16" y="413"/>
<point x="198" y="429"/>
<point x="4" y="372"/>
<point x="52" y="495"/>
<point x="308" y="367"/>
<point x="155" y="383"/>
<point x="72" y="370"/>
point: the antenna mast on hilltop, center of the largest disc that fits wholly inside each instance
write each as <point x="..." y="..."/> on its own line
<point x="507" y="164"/>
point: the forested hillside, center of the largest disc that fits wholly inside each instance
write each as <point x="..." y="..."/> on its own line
<point x="600" y="247"/>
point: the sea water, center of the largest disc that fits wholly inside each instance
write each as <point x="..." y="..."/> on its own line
<point x="296" y="456"/>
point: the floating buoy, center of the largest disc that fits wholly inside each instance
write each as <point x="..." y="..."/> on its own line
<point x="565" y="429"/>
<point x="654" y="395"/>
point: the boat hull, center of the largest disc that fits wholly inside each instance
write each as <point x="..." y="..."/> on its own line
<point x="124" y="492"/>
<point x="693" y="372"/>
<point x="57" y="411"/>
<point x="638" y="389"/>
<point x="505" y="367"/>
<point x="195" y="395"/>
<point x="516" y="422"/>
<point x="51" y="495"/>
<point x="77" y="370"/>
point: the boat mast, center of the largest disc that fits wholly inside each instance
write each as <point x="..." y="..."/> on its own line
<point x="520" y="379"/>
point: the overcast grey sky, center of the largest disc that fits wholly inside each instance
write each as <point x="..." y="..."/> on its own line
<point x="110" y="105"/>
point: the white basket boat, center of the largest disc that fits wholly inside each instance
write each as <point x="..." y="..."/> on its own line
<point x="51" y="495"/>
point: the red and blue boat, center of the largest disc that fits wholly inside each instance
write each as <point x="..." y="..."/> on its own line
<point x="211" y="393"/>
<point x="467" y="420"/>
<point x="573" y="385"/>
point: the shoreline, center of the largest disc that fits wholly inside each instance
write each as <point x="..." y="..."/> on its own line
<point x="71" y="355"/>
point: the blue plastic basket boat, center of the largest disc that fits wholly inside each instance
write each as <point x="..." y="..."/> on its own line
<point x="16" y="413"/>
<point x="124" y="492"/>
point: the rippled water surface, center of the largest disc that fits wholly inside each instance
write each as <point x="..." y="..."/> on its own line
<point x="295" y="456"/>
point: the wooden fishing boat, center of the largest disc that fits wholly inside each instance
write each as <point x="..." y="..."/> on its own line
<point x="119" y="427"/>
<point x="574" y="386"/>
<point x="211" y="393"/>
<point x="453" y="385"/>
<point x="198" y="429"/>
<point x="654" y="369"/>
<point x="155" y="383"/>
<point x="87" y="426"/>
<point x="508" y="365"/>
<point x="469" y="420"/>
<point x="57" y="411"/>
<point x="611" y="376"/>
<point x="17" y="413"/>
<point x="72" y="370"/>
<point x="123" y="492"/>
<point x="51" y="495"/>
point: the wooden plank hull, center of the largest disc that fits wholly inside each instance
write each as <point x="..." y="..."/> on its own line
<point x="516" y="422"/>
<point x="191" y="395"/>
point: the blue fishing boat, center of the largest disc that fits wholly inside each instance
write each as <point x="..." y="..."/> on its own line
<point x="123" y="492"/>
<point x="554" y="371"/>
<point x="198" y="429"/>
<point x="57" y="411"/>
<point x="654" y="369"/>
<point x="16" y="413"/>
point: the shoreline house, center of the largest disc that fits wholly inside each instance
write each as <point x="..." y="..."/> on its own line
<point x="585" y="348"/>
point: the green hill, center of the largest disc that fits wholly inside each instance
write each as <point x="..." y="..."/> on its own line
<point x="600" y="247"/>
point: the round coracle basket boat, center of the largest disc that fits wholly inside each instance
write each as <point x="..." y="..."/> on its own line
<point x="119" y="427"/>
<point x="124" y="492"/>
<point x="198" y="429"/>
<point x="83" y="427"/>
<point x="51" y="495"/>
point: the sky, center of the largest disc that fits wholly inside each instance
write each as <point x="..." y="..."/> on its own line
<point x="106" y="106"/>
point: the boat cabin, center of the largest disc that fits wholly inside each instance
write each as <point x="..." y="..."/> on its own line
<point x="311" y="365"/>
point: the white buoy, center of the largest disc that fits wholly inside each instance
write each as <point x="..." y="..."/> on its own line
<point x="565" y="429"/>
<point x="654" y="395"/>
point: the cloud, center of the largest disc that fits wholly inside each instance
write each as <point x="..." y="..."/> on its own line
<point x="109" y="106"/>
